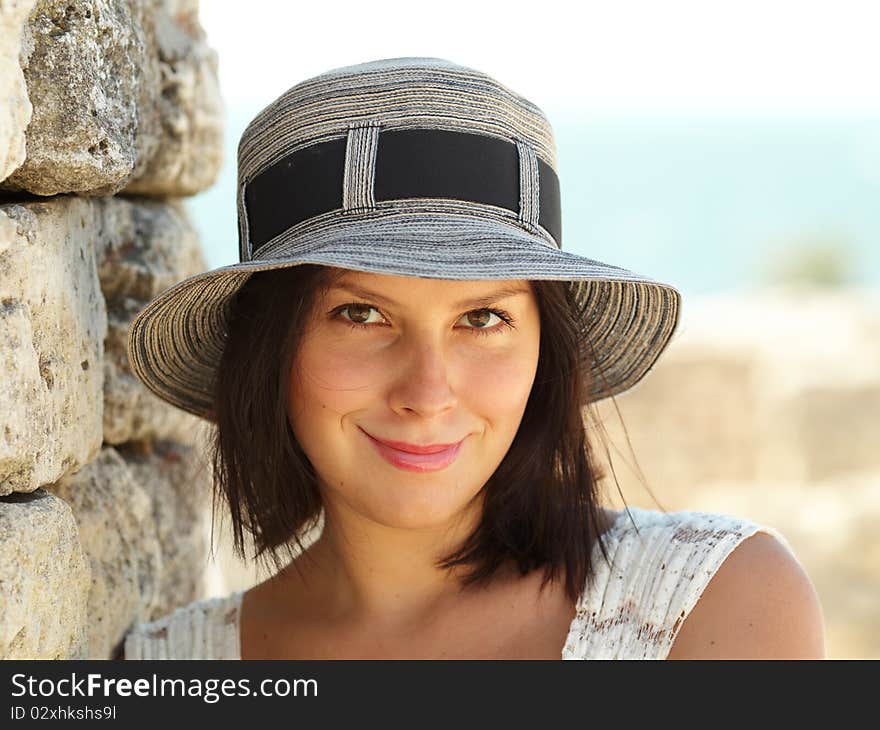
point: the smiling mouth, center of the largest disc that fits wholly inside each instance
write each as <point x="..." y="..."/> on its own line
<point x="432" y="458"/>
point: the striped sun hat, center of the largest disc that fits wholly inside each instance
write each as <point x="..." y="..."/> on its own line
<point x="409" y="166"/>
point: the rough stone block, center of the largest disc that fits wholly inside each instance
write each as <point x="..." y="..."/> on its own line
<point x="144" y="247"/>
<point x="52" y="327"/>
<point x="44" y="579"/>
<point x="15" y="111"/>
<point x="125" y="97"/>
<point x="191" y="114"/>
<point x="118" y="531"/>
<point x="177" y="480"/>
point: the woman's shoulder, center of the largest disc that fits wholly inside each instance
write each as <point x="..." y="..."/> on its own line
<point x="757" y="603"/>
<point x="203" y="629"/>
<point x="658" y="566"/>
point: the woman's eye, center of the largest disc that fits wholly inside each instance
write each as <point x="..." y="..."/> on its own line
<point x="359" y="313"/>
<point x="478" y="321"/>
<point x="481" y="318"/>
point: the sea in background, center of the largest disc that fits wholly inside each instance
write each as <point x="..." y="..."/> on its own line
<point x="705" y="203"/>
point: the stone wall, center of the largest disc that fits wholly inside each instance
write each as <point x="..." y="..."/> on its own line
<point x="110" y="115"/>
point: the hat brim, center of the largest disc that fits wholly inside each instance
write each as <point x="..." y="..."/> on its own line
<point x="176" y="341"/>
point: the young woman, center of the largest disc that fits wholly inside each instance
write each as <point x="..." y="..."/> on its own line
<point x="402" y="362"/>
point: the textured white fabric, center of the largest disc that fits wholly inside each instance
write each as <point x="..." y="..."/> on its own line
<point x="634" y="611"/>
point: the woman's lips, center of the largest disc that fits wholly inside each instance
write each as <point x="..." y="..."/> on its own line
<point x="416" y="462"/>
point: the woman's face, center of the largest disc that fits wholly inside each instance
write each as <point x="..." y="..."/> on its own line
<point x="418" y="361"/>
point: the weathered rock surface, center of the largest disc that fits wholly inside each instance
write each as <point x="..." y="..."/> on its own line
<point x="52" y="327"/>
<point x="190" y="151"/>
<point x="15" y="107"/>
<point x="118" y="531"/>
<point x="125" y="97"/>
<point x="62" y="393"/>
<point x="178" y="482"/>
<point x="98" y="97"/>
<point x="143" y="248"/>
<point x="45" y="579"/>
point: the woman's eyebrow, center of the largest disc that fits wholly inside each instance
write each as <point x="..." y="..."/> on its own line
<point x="484" y="300"/>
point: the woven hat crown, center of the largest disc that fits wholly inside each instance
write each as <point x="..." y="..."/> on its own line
<point x="358" y="106"/>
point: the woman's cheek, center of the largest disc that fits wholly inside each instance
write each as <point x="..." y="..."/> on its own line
<point x="504" y="381"/>
<point x="328" y="372"/>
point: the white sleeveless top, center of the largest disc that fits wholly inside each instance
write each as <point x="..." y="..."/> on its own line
<point x="634" y="610"/>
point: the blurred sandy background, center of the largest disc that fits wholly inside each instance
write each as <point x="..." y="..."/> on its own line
<point x="746" y="178"/>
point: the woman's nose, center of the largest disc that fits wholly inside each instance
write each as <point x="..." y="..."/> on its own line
<point x="423" y="383"/>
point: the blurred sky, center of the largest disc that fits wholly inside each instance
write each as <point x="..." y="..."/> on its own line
<point x="696" y="140"/>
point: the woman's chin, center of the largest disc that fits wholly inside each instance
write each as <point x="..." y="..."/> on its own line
<point x="408" y="512"/>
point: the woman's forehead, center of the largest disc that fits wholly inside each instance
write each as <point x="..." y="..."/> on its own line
<point x="398" y="290"/>
<point x="344" y="278"/>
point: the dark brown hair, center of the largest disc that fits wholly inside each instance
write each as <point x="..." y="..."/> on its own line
<point x="541" y="504"/>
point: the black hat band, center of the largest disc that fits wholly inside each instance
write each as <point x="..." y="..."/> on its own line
<point x="397" y="164"/>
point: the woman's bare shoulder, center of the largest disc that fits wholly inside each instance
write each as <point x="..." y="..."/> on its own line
<point x="760" y="604"/>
